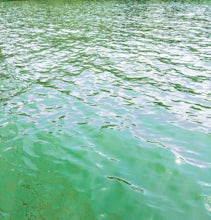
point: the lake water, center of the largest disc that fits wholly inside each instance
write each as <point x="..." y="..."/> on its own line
<point x="105" y="110"/>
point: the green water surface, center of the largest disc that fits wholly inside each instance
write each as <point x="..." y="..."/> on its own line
<point x="105" y="110"/>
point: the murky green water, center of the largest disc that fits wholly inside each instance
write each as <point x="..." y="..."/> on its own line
<point x="105" y="110"/>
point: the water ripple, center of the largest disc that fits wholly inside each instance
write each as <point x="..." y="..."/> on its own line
<point x="109" y="88"/>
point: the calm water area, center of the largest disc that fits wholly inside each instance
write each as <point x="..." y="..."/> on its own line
<point x="105" y="110"/>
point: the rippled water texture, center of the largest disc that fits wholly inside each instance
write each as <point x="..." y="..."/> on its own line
<point x="105" y="110"/>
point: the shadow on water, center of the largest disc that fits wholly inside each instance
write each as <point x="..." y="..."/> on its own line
<point x="43" y="193"/>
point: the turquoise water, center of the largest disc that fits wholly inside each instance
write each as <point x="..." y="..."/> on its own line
<point x="105" y="110"/>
